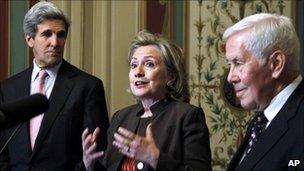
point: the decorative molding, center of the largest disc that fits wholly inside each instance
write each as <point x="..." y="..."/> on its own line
<point x="76" y="34"/>
<point x="142" y="11"/>
<point x="101" y="44"/>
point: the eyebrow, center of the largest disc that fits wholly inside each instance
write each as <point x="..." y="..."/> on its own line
<point x="49" y="30"/>
<point x="145" y="57"/>
<point x="233" y="58"/>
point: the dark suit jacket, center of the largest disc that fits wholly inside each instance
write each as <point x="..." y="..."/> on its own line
<point x="77" y="101"/>
<point x="179" y="130"/>
<point x="281" y="142"/>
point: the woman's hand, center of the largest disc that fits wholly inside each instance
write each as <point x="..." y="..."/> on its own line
<point x="137" y="147"/>
<point x="90" y="155"/>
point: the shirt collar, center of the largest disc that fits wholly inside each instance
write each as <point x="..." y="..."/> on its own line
<point x="51" y="71"/>
<point x="280" y="99"/>
<point x="156" y="108"/>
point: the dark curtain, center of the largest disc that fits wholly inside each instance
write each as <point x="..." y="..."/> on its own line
<point x="300" y="30"/>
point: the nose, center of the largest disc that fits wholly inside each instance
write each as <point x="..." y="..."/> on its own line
<point x="139" y="71"/>
<point x="232" y="75"/>
<point x="54" y="40"/>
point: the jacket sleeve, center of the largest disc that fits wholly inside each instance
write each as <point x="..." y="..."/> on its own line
<point x="196" y="147"/>
<point x="96" y="114"/>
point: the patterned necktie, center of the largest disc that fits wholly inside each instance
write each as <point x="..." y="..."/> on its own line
<point x="258" y="126"/>
<point x="36" y="121"/>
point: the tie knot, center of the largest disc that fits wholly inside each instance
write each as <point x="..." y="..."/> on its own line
<point x="261" y="118"/>
<point x="261" y="121"/>
<point x="42" y="74"/>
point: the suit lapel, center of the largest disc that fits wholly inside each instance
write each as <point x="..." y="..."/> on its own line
<point x="266" y="141"/>
<point x="275" y="130"/>
<point x="20" y="87"/>
<point x="23" y="83"/>
<point x="62" y="88"/>
<point x="133" y="121"/>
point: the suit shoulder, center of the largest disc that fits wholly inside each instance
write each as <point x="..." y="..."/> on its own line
<point x="22" y="76"/>
<point x="182" y="106"/>
<point x="82" y="74"/>
<point x="126" y="110"/>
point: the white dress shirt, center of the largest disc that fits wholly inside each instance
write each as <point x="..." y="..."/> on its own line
<point x="49" y="80"/>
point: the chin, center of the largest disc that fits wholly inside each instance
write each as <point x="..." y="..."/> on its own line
<point x="138" y="94"/>
<point x="54" y="62"/>
<point x="248" y="106"/>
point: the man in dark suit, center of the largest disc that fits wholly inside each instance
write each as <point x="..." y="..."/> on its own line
<point x="263" y="52"/>
<point x="77" y="100"/>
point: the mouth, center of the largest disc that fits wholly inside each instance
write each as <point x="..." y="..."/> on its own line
<point x="52" y="51"/>
<point x="239" y="92"/>
<point x="140" y="83"/>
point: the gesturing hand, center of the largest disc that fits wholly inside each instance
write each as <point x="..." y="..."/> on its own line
<point x="137" y="147"/>
<point x="90" y="154"/>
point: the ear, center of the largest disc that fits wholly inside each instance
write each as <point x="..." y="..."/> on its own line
<point x="278" y="62"/>
<point x="171" y="78"/>
<point x="29" y="40"/>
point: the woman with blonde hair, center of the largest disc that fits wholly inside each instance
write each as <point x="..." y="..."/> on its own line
<point x="162" y="131"/>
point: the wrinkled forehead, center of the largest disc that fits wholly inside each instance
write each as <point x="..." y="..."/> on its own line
<point x="149" y="51"/>
<point x="57" y="25"/>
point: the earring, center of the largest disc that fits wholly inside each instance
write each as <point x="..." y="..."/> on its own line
<point x="169" y="86"/>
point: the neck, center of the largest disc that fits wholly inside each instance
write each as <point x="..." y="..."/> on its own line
<point x="147" y="103"/>
<point x="284" y="81"/>
<point x="279" y="84"/>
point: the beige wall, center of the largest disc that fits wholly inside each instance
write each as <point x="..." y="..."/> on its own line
<point x="98" y="41"/>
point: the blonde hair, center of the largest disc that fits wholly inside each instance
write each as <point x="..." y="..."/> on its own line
<point x="172" y="56"/>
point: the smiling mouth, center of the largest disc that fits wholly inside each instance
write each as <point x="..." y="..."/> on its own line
<point x="239" y="92"/>
<point x="139" y="83"/>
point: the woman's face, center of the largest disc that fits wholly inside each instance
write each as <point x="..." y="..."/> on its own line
<point x="148" y="74"/>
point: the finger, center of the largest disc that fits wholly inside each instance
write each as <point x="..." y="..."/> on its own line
<point x="97" y="155"/>
<point x="92" y="153"/>
<point x="121" y="139"/>
<point x="85" y="134"/>
<point x="126" y="133"/>
<point x="136" y="142"/>
<point x="118" y="144"/>
<point x="149" y="134"/>
<point x="87" y="142"/>
<point x="96" y="134"/>
<point x="122" y="148"/>
<point x="91" y="149"/>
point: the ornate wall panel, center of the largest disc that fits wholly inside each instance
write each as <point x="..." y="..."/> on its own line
<point x="226" y="121"/>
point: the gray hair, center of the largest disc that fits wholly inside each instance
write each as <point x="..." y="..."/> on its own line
<point x="268" y="33"/>
<point x="172" y="56"/>
<point x="39" y="13"/>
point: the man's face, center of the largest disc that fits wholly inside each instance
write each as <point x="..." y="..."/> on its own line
<point x="252" y="80"/>
<point x="48" y="44"/>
